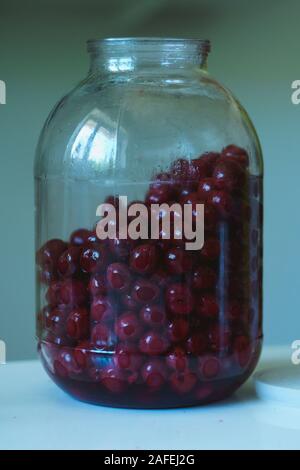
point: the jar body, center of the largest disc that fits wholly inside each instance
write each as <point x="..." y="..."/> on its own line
<point x="147" y="322"/>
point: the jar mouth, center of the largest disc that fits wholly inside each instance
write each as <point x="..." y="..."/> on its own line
<point x="171" y="43"/>
<point x="168" y="50"/>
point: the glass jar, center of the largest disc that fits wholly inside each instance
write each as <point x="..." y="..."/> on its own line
<point x="148" y="322"/>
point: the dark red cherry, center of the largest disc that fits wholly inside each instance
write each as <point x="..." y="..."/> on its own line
<point x="154" y="374"/>
<point x="103" y="309"/>
<point x="97" y="284"/>
<point x="178" y="261"/>
<point x="197" y="344"/>
<point x="211" y="217"/>
<point x="205" y="187"/>
<point x="242" y="350"/>
<point x="177" y="359"/>
<point x="113" y="379"/>
<point x="161" y="278"/>
<point x="118" y="277"/>
<point x="221" y="201"/>
<point x="159" y="195"/>
<point x="68" y="262"/>
<point x="204" y="278"/>
<point x="153" y="343"/>
<point x="207" y="306"/>
<point x="178" y="330"/>
<point x="53" y="296"/>
<point x="128" y="357"/>
<point x="120" y="248"/>
<point x="183" y="382"/>
<point x="219" y="338"/>
<point x="228" y="174"/>
<point x="55" y="320"/>
<point x="209" y="367"/>
<point x="238" y="153"/>
<point x="211" y="249"/>
<point x="145" y="292"/>
<point x="46" y="276"/>
<point x="128" y="327"/>
<point x="128" y="302"/>
<point x="235" y="310"/>
<point x="82" y="353"/>
<point x="65" y="364"/>
<point x="180" y="170"/>
<point x="73" y="292"/>
<point x="153" y="315"/>
<point x="103" y="336"/>
<point x="206" y="163"/>
<point x="49" y="253"/>
<point x="143" y="258"/>
<point x="80" y="237"/>
<point x="93" y="259"/>
<point x="179" y="299"/>
<point x="77" y="325"/>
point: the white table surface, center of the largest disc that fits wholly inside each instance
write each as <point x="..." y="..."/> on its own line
<point x="36" y="414"/>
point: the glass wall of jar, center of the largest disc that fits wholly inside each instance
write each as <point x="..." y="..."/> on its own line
<point x="146" y="322"/>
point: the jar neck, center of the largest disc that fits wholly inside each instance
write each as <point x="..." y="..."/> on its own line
<point x="132" y="54"/>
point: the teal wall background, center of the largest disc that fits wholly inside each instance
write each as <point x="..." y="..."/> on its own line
<point x="255" y="52"/>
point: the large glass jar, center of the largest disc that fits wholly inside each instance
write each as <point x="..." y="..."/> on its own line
<point x="149" y="322"/>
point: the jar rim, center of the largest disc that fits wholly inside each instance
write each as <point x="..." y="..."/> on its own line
<point x="168" y="43"/>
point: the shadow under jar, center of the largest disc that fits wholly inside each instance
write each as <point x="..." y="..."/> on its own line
<point x="146" y="323"/>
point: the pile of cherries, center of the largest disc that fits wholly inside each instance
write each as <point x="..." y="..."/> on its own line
<point x="146" y="322"/>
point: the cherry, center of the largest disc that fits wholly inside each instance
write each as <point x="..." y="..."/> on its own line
<point x="235" y="310"/>
<point x="102" y="336"/>
<point x="177" y="359"/>
<point x="153" y="343"/>
<point x="219" y="338"/>
<point x="118" y="277"/>
<point x="68" y="262"/>
<point x="205" y="187"/>
<point x="49" y="253"/>
<point x="80" y="237"/>
<point x="129" y="302"/>
<point x="77" y="325"/>
<point x="82" y="353"/>
<point x="242" y="350"/>
<point x="46" y="276"/>
<point x="209" y="367"/>
<point x="211" y="249"/>
<point x="178" y="261"/>
<point x="128" y="357"/>
<point x="178" y="329"/>
<point x="120" y="248"/>
<point x="128" y="327"/>
<point x="180" y="170"/>
<point x="204" y="278"/>
<point x="103" y="309"/>
<point x="53" y="293"/>
<point x="233" y="151"/>
<point x="197" y="344"/>
<point x="206" y="162"/>
<point x="179" y="299"/>
<point x="222" y="202"/>
<point x="208" y="306"/>
<point x="228" y="174"/>
<point x="73" y="292"/>
<point x="143" y="258"/>
<point x="210" y="217"/>
<point x="154" y="374"/>
<point x="54" y="320"/>
<point x="159" y="195"/>
<point x="160" y="278"/>
<point x="65" y="364"/>
<point x="93" y="259"/>
<point x="97" y="284"/>
<point x="153" y="316"/>
<point x="183" y="382"/>
<point x="145" y="292"/>
<point x="113" y="379"/>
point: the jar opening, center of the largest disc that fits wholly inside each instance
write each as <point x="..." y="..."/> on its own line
<point x="126" y="53"/>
